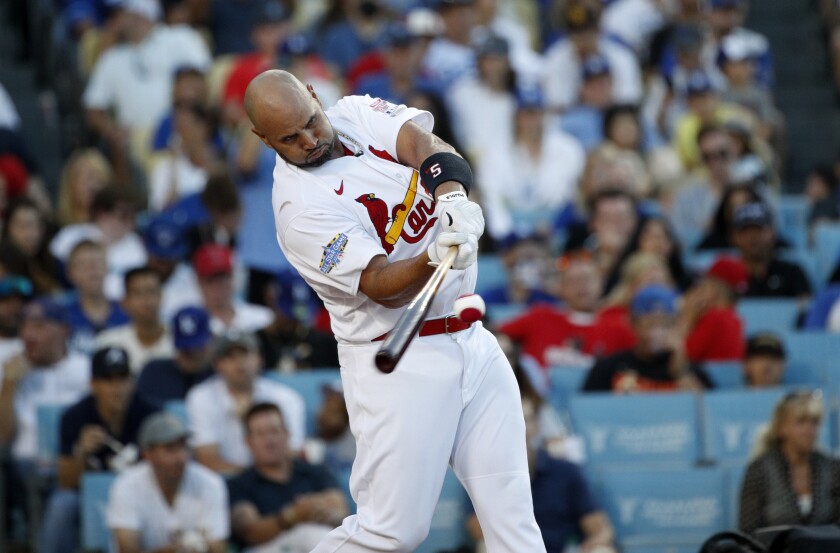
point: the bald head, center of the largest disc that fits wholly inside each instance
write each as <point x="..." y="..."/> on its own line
<point x="287" y="116"/>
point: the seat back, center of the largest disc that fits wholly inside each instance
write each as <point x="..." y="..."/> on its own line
<point x="94" y="490"/>
<point x="309" y="384"/>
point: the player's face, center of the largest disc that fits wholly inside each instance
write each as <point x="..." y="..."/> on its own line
<point x="304" y="137"/>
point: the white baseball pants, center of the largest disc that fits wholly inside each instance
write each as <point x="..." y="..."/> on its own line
<point x="452" y="399"/>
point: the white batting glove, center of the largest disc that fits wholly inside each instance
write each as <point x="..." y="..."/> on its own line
<point x="467" y="249"/>
<point x="458" y="214"/>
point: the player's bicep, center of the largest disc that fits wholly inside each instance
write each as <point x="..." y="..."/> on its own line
<point x="329" y="249"/>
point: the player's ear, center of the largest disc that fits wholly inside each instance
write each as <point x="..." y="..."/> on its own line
<point x="312" y="93"/>
<point x="261" y="136"/>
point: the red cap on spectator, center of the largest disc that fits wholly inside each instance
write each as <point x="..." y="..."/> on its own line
<point x="731" y="271"/>
<point x="15" y="174"/>
<point x="213" y="259"/>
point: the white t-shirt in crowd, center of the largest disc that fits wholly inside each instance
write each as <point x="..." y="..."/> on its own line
<point x="125" y="336"/>
<point x="247" y="317"/>
<point x="180" y="290"/>
<point x="61" y="384"/>
<point x="201" y="505"/>
<point x="214" y="421"/>
<point x="172" y="177"/>
<point x="125" y="254"/>
<point x="563" y="73"/>
<point x="9" y="118"/>
<point x="482" y="117"/>
<point x="136" y="79"/>
<point x="522" y="194"/>
<point x="634" y="22"/>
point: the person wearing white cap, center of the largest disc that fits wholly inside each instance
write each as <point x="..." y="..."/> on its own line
<point x="168" y="502"/>
<point x="134" y="79"/>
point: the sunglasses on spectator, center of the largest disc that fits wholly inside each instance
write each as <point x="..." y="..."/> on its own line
<point x="721" y="154"/>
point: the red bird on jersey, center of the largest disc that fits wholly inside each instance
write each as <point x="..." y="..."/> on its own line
<point x="378" y="213"/>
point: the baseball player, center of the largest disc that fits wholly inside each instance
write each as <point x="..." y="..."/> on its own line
<point x="355" y="218"/>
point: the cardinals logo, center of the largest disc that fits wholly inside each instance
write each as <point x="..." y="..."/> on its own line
<point x="419" y="217"/>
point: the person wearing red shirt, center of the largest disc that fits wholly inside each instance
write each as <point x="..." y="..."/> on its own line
<point x="708" y="320"/>
<point x="572" y="334"/>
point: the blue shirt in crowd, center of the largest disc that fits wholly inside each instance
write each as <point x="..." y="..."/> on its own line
<point x="161" y="381"/>
<point x="83" y="331"/>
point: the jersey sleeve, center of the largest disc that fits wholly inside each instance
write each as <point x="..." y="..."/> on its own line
<point x="381" y="120"/>
<point x="329" y="249"/>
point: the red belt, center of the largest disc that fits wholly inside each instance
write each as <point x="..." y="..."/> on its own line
<point x="445" y="325"/>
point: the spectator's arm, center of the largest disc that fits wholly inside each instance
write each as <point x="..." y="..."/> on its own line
<point x="104" y="125"/>
<point x="128" y="541"/>
<point x="597" y="530"/>
<point x="253" y="529"/>
<point x="11" y="374"/>
<point x="219" y="546"/>
<point x="70" y="469"/>
<point x="248" y="155"/>
<point x="327" y="507"/>
<point x="474" y="528"/>
<point x="208" y="455"/>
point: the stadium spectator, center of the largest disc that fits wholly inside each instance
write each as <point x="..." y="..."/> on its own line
<point x="299" y="57"/>
<point x="99" y="433"/>
<point x="216" y="406"/>
<point x="524" y="190"/>
<point x="755" y="238"/>
<point x="133" y="79"/>
<point x="144" y="337"/>
<point x="44" y="373"/>
<point x="89" y="312"/>
<point x="450" y="55"/>
<point x="613" y="216"/>
<point x="705" y="107"/>
<point x="483" y="104"/>
<point x="764" y="361"/>
<point x="112" y="222"/>
<point x="189" y="89"/>
<point x="822" y="190"/>
<point x="725" y="19"/>
<point x="15" y="291"/>
<point x="349" y="30"/>
<point x="184" y="167"/>
<point x="332" y="424"/>
<point x="290" y="342"/>
<point x="270" y="26"/>
<point x="401" y="57"/>
<point x="719" y="236"/>
<point x="171" y="379"/>
<point x="658" y="361"/>
<point x="572" y="335"/>
<point x="564" y="59"/>
<point x="85" y="173"/>
<point x="584" y="119"/>
<point x="512" y="27"/>
<point x="564" y="505"/>
<point x="692" y="205"/>
<point x="214" y="268"/>
<point x="527" y="266"/>
<point x="25" y="232"/>
<point x="168" y="502"/>
<point x="653" y="235"/>
<point x="708" y="320"/>
<point x="789" y="481"/>
<point x="167" y="246"/>
<point x="280" y="502"/>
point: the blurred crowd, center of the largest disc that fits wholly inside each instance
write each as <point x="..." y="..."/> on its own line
<point x="628" y="156"/>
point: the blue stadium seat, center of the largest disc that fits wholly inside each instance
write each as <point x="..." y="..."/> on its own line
<point x="659" y="508"/>
<point x="772" y="314"/>
<point x="641" y="431"/>
<point x="734" y="480"/>
<point x="94" y="490"/>
<point x="48" y="430"/>
<point x="660" y="548"/>
<point x="802" y="373"/>
<point x="732" y="420"/>
<point x="491" y="272"/>
<point x="178" y="408"/>
<point x="308" y="384"/>
<point x="565" y="382"/>
<point x="725" y="374"/>
<point x="827" y="245"/>
<point x="448" y="522"/>
<point x="814" y="350"/>
<point x="499" y="314"/>
<point x="792" y="221"/>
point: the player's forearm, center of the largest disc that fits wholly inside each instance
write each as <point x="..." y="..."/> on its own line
<point x="394" y="285"/>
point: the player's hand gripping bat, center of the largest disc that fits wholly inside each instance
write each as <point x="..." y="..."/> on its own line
<point x="398" y="339"/>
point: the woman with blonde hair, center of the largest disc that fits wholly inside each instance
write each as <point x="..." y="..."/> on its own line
<point x="85" y="173"/>
<point x="790" y="482"/>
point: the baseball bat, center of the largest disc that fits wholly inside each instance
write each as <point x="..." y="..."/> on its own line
<point x="398" y="339"/>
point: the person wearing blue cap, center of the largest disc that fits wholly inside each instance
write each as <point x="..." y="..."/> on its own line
<point x="89" y="311"/>
<point x="15" y="291"/>
<point x="164" y="380"/>
<point x="658" y="361"/>
<point x="167" y="245"/>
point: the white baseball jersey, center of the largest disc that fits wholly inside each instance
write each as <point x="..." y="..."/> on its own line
<point x="333" y="219"/>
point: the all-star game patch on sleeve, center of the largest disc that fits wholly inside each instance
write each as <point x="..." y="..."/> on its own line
<point x="329" y="250"/>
